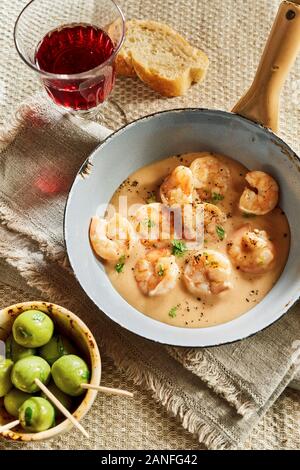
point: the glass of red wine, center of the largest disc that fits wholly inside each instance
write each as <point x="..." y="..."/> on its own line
<point x="72" y="45"/>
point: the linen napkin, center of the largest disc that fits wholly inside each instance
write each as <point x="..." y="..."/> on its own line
<point x="218" y="393"/>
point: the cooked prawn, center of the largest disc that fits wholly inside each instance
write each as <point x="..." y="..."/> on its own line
<point x="251" y="250"/>
<point x="211" y="176"/>
<point x="263" y="197"/>
<point x="112" y="238"/>
<point x="209" y="219"/>
<point x="156" y="274"/>
<point x="178" y="187"/>
<point x="207" y="272"/>
<point x="192" y="223"/>
<point x="214" y="220"/>
<point x="154" y="224"/>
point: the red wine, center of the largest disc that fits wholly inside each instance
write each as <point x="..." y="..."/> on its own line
<point x="72" y="50"/>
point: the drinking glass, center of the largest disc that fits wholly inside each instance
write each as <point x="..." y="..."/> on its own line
<point x="72" y="46"/>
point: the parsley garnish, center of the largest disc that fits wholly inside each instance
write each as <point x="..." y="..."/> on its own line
<point x="173" y="311"/>
<point x="151" y="198"/>
<point x="120" y="265"/>
<point x="248" y="216"/>
<point x="149" y="223"/>
<point x="161" y="271"/>
<point x="220" y="232"/>
<point x="178" y="248"/>
<point x="217" y="197"/>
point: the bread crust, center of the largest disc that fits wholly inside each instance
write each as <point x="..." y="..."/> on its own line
<point x="132" y="61"/>
<point x="124" y="67"/>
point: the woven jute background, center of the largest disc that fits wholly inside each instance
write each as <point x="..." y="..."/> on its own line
<point x="232" y="33"/>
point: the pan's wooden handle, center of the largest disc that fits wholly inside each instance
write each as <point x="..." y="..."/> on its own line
<point x="261" y="102"/>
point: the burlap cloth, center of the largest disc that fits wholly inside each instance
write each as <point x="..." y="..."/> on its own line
<point x="131" y="100"/>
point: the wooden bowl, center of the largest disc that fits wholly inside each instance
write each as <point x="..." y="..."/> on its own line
<point x="71" y="326"/>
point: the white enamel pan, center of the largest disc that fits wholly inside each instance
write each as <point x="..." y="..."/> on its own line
<point x="246" y="134"/>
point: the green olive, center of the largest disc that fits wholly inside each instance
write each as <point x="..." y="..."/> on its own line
<point x="26" y="370"/>
<point x="13" y="401"/>
<point x="33" y="329"/>
<point x="64" y="399"/>
<point x="68" y="373"/>
<point x="57" y="347"/>
<point x="15" y="351"/>
<point x="36" y="414"/>
<point x="6" y="366"/>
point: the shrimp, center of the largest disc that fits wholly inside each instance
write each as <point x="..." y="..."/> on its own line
<point x="210" y="219"/>
<point x="211" y="176"/>
<point x="157" y="273"/>
<point x="154" y="224"/>
<point x="113" y="238"/>
<point x="263" y="197"/>
<point x="214" y="219"/>
<point x="251" y="250"/>
<point x="207" y="272"/>
<point x="178" y="187"/>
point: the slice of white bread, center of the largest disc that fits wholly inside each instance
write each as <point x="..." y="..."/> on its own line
<point x="160" y="57"/>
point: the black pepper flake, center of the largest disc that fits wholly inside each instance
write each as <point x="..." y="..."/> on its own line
<point x="247" y="300"/>
<point x="285" y="235"/>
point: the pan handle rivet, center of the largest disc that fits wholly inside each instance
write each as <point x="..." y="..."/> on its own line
<point x="290" y="15"/>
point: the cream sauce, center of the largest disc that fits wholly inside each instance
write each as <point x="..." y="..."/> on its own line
<point x="190" y="311"/>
